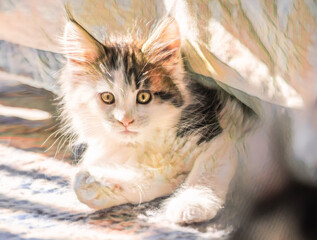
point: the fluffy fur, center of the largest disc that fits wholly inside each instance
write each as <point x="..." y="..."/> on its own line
<point x="183" y="138"/>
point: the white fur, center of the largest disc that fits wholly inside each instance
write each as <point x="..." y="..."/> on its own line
<point x="206" y="186"/>
<point x="120" y="168"/>
<point x="192" y="204"/>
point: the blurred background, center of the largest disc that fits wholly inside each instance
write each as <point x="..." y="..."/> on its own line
<point x="264" y="52"/>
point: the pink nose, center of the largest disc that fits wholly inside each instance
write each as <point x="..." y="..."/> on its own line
<point x="126" y="122"/>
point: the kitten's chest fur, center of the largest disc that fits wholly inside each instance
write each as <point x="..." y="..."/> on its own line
<point x="166" y="154"/>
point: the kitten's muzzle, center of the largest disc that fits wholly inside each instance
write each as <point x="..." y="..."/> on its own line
<point x="126" y="122"/>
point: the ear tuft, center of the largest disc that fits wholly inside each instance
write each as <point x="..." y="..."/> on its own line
<point x="164" y="44"/>
<point x="79" y="45"/>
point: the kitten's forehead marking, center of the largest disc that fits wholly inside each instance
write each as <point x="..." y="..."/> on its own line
<point x="128" y="58"/>
<point x="130" y="66"/>
<point x="127" y="69"/>
<point x="114" y="55"/>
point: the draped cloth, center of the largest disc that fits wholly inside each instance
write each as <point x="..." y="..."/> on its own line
<point x="253" y="49"/>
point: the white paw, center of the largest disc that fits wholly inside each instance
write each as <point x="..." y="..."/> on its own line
<point x="192" y="204"/>
<point x="91" y="192"/>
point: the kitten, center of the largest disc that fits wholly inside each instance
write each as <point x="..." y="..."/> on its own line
<point x="150" y="129"/>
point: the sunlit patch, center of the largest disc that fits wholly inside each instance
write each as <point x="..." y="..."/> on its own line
<point x="29" y="114"/>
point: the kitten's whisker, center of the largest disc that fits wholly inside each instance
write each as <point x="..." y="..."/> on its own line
<point x="55" y="132"/>
<point x="53" y="143"/>
<point x="60" y="145"/>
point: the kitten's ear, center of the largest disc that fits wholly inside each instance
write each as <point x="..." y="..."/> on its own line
<point x="79" y="45"/>
<point x="164" y="44"/>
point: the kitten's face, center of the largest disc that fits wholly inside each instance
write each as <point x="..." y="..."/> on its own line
<point x="126" y="91"/>
<point x="135" y="97"/>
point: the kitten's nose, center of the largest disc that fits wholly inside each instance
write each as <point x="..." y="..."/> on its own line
<point x="126" y="121"/>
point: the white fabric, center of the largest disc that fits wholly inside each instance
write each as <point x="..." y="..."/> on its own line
<point x="266" y="49"/>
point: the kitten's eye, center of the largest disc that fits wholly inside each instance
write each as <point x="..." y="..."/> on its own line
<point x="107" y="97"/>
<point x="144" y="97"/>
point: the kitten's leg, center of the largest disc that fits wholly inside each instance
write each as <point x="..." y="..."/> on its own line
<point x="103" y="188"/>
<point x="205" y="189"/>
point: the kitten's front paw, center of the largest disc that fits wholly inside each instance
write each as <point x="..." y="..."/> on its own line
<point x="192" y="204"/>
<point x="91" y="192"/>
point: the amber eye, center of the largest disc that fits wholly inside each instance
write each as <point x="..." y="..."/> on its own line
<point x="107" y="97"/>
<point x="144" y="97"/>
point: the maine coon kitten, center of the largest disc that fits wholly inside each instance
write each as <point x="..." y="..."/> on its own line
<point x="149" y="128"/>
